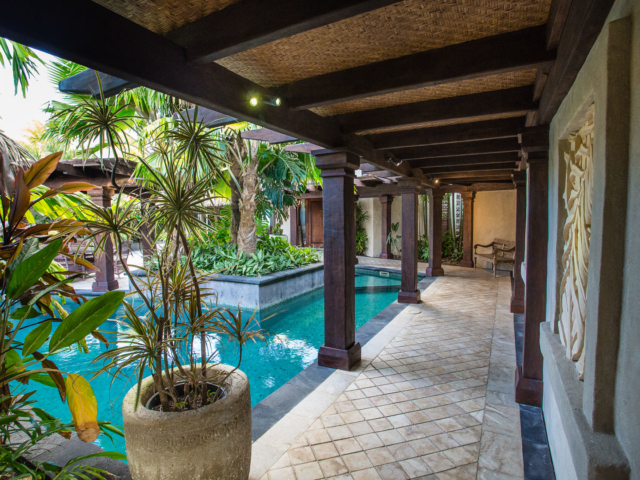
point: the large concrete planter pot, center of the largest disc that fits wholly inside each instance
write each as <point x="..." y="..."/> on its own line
<point x="211" y="443"/>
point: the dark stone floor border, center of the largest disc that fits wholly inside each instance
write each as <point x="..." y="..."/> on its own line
<point x="274" y="407"/>
<point x="538" y="464"/>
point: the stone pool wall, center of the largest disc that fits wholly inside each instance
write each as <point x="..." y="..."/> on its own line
<point x="269" y="290"/>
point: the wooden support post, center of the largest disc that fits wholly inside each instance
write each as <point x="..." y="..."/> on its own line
<point x="104" y="261"/>
<point x="517" y="295"/>
<point x="409" y="292"/>
<point x="355" y="222"/>
<point x="293" y="225"/>
<point x="340" y="350"/>
<point x="435" y="233"/>
<point x="467" y="229"/>
<point x="385" y="225"/>
<point x="528" y="386"/>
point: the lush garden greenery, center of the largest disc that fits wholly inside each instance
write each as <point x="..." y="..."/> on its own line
<point x="205" y="199"/>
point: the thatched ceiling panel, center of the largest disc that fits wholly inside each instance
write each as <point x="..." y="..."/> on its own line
<point x="162" y="16"/>
<point x="465" y="87"/>
<point x="442" y="123"/>
<point x="407" y="27"/>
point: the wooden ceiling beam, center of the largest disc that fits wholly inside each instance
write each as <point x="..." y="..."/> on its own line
<point x="465" y="160"/>
<point x="498" y="145"/>
<point x="454" y="108"/>
<point x="470" y="168"/>
<point x="468" y="177"/>
<point x="251" y="23"/>
<point x="159" y="64"/>
<point x="583" y="24"/>
<point x="558" y="13"/>
<point x="462" y="132"/>
<point x="478" y="187"/>
<point x="508" y="52"/>
<point x="266" y="135"/>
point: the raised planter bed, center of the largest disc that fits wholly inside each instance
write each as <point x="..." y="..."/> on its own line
<point x="268" y="290"/>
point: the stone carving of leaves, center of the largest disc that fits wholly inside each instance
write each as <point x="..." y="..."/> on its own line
<point x="577" y="236"/>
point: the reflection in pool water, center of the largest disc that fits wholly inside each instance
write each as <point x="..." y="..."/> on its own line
<point x="297" y="329"/>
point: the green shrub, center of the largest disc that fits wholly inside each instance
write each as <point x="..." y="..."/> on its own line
<point x="423" y="248"/>
<point x="273" y="254"/>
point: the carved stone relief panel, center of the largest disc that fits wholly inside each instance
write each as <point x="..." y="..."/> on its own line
<point x="577" y="237"/>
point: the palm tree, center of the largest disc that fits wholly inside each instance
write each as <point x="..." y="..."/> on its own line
<point x="265" y="179"/>
<point x="23" y="61"/>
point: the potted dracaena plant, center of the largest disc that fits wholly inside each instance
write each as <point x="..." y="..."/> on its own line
<point x="191" y="418"/>
<point x="30" y="286"/>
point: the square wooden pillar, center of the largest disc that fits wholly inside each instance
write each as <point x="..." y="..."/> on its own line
<point x="529" y="375"/>
<point x="355" y="222"/>
<point x="385" y="225"/>
<point x="409" y="292"/>
<point x="517" y="294"/>
<point x="467" y="229"/>
<point x="340" y="350"/>
<point x="293" y="225"/>
<point x="104" y="261"/>
<point x="435" y="233"/>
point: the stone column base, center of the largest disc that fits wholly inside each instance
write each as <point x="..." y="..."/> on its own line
<point x="339" y="358"/>
<point x="466" y="263"/>
<point x="434" y="272"/>
<point x="409" y="297"/>
<point x="517" y="305"/>
<point x="528" y="390"/>
<point x="105" y="286"/>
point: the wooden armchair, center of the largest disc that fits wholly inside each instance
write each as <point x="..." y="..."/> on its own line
<point x="502" y="251"/>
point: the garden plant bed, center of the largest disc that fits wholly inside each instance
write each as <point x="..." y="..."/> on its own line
<point x="268" y="290"/>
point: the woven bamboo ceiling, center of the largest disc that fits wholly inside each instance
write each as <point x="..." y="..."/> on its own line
<point x="441" y="79"/>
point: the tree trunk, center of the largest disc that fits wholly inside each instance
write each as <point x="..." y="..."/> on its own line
<point x="235" y="155"/>
<point x="247" y="238"/>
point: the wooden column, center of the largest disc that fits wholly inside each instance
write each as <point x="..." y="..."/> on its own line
<point x="435" y="233"/>
<point x="385" y="224"/>
<point x="293" y="226"/>
<point x="517" y="294"/>
<point x="104" y="261"/>
<point x="409" y="292"/>
<point x="340" y="350"/>
<point x="529" y="374"/>
<point x="467" y="229"/>
<point x="355" y="224"/>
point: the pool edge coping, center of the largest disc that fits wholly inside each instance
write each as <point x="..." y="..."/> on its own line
<point x="274" y="442"/>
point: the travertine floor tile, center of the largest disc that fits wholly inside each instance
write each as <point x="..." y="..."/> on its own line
<point x="435" y="403"/>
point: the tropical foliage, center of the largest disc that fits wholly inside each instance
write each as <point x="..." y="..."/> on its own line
<point x="23" y="62"/>
<point x="32" y="290"/>
<point x="361" y="233"/>
<point x="273" y="254"/>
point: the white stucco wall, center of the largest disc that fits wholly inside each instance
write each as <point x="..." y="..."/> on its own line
<point x="372" y="225"/>
<point x="494" y="216"/>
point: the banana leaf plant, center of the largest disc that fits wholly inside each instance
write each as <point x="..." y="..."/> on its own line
<point x="31" y="288"/>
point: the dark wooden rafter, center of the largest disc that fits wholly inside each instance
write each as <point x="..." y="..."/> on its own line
<point x="476" y="187"/>
<point x="487" y="168"/>
<point x="463" y="148"/>
<point x="470" y="178"/>
<point x="462" y="132"/>
<point x="465" y="160"/>
<point x="520" y="50"/>
<point x="497" y="102"/>
<point x="252" y="23"/>
<point x="558" y="13"/>
<point x="158" y="63"/>
<point x="584" y="21"/>
<point x="507" y="172"/>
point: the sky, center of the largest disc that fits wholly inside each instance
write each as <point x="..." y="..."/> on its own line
<point x="18" y="113"/>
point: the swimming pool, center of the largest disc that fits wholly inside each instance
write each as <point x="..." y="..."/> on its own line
<point x="298" y="332"/>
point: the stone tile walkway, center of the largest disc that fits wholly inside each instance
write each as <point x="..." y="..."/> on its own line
<point x="432" y="399"/>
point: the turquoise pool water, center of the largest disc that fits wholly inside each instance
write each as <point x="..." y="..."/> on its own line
<point x="298" y="332"/>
